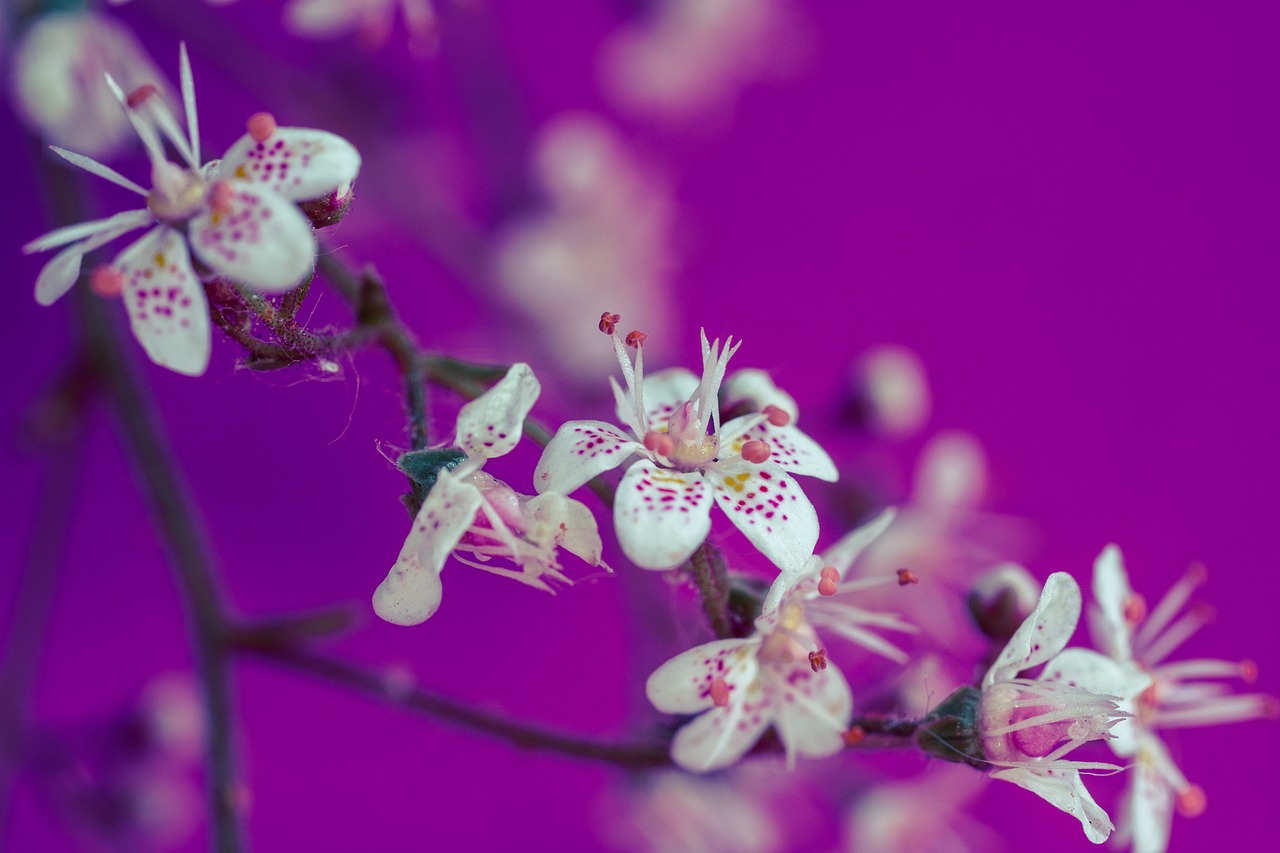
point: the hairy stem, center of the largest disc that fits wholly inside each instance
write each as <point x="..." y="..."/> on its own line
<point x="710" y="575"/>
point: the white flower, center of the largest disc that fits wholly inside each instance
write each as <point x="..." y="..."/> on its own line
<point x="1027" y="725"/>
<point x="1158" y="694"/>
<point x="57" y="80"/>
<point x="372" y="19"/>
<point x="477" y="518"/>
<point x="819" y="597"/>
<point x="739" y="688"/>
<point x="238" y="218"/>
<point x="663" y="504"/>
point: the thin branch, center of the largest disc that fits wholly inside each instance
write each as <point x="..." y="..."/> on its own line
<point x="711" y="576"/>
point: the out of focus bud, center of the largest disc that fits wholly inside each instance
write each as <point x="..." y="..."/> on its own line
<point x="329" y="209"/>
<point x="58" y="84"/>
<point x="890" y="392"/>
<point x="1001" y="599"/>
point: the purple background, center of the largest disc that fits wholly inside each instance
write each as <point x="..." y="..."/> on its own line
<point x="1071" y="213"/>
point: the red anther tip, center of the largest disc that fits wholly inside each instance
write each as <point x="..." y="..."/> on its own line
<point x="106" y="281"/>
<point x="1191" y="801"/>
<point x="140" y="94"/>
<point x="755" y="451"/>
<point x="1197" y="573"/>
<point x="777" y="416"/>
<point x="1248" y="671"/>
<point x="1134" y="609"/>
<point x="827" y="586"/>
<point x="1204" y="611"/>
<point x="220" y="195"/>
<point x="818" y="660"/>
<point x="854" y="736"/>
<point x="719" y="692"/>
<point x="829" y="572"/>
<point x="261" y="126"/>
<point x="609" y="322"/>
<point x="906" y="576"/>
<point x="659" y="442"/>
<point x="1270" y="707"/>
<point x="636" y="339"/>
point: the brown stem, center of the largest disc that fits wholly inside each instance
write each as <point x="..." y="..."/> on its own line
<point x="711" y="576"/>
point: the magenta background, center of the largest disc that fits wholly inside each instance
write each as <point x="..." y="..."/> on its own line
<point x="1071" y="213"/>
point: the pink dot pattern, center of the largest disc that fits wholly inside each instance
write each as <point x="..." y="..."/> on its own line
<point x="276" y="163"/>
<point x="229" y="236"/>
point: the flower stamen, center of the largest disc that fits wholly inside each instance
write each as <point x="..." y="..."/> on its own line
<point x="261" y="126"/>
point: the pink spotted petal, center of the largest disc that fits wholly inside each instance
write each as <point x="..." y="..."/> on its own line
<point x="411" y="591"/>
<point x="1063" y="789"/>
<point x="1042" y="634"/>
<point x="755" y="388"/>
<point x="1100" y="674"/>
<point x="813" y="711"/>
<point x="664" y="391"/>
<point x="682" y="685"/>
<point x="264" y="241"/>
<point x="661" y="515"/>
<point x="719" y="737"/>
<point x="790" y="449"/>
<point x="769" y="508"/>
<point x="569" y="523"/>
<point x="297" y="163"/>
<point x="491" y="424"/>
<point x="579" y="451"/>
<point x="1111" y="591"/>
<point x="166" y="304"/>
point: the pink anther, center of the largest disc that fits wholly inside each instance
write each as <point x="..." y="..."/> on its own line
<point x="636" y="339"/>
<point x="827" y="587"/>
<point x="854" y="736"/>
<point x="261" y="126"/>
<point x="1134" y="609"/>
<point x="1191" y="801"/>
<point x="609" y="322"/>
<point x="818" y="660"/>
<point x="906" y="576"/>
<point x="106" y="281"/>
<point x="777" y="416"/>
<point x="220" y="195"/>
<point x="140" y="94"/>
<point x="1248" y="671"/>
<point x="719" y="692"/>
<point x="755" y="451"/>
<point x="659" y="443"/>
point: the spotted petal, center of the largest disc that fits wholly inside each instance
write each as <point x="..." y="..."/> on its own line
<point x="1111" y="591"/>
<point x="1063" y="789"/>
<point x="579" y="451"/>
<point x="769" y="508"/>
<point x="1104" y="676"/>
<point x="682" y="685"/>
<point x="661" y="516"/>
<point x="262" y="241"/>
<point x="491" y="424"/>
<point x="790" y="449"/>
<point x="411" y="591"/>
<point x="297" y="163"/>
<point x="813" y="711"/>
<point x="1042" y="634"/>
<point x="166" y="304"/>
<point x="569" y="523"/>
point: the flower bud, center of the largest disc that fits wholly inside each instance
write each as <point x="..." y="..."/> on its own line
<point x="1001" y="599"/>
<point x="424" y="466"/>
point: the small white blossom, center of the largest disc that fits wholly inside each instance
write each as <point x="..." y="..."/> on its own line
<point x="689" y="461"/>
<point x="478" y="518"/>
<point x="237" y="217"/>
<point x="370" y="19"/>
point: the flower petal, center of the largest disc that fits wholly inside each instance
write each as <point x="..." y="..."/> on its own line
<point x="579" y="451"/>
<point x="790" y="449"/>
<point x="491" y="424"/>
<point x="846" y="552"/>
<point x="1064" y="790"/>
<point x="570" y="524"/>
<point x="663" y="392"/>
<point x="661" y="515"/>
<point x="297" y="163"/>
<point x="813" y="711"/>
<point x="167" y="308"/>
<point x="411" y="591"/>
<point x="1147" y="813"/>
<point x="756" y="389"/>
<point x="1111" y="591"/>
<point x="1104" y="676"/>
<point x="682" y="685"/>
<point x="719" y="737"/>
<point x="1042" y="634"/>
<point x="62" y="270"/>
<point x="263" y="241"/>
<point x="769" y="508"/>
<point x="951" y="474"/>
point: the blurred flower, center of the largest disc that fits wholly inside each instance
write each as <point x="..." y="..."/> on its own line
<point x="891" y="391"/>
<point x="662" y="510"/>
<point x="603" y="237"/>
<point x="923" y="815"/>
<point x="57" y="87"/>
<point x="1027" y="726"/>
<point x="1159" y="694"/>
<point x="692" y="55"/>
<point x="468" y="512"/>
<point x="238" y="217"/>
<point x="739" y="688"/>
<point x="371" y="19"/>
<point x="1001" y="599"/>
<point x="820" y="598"/>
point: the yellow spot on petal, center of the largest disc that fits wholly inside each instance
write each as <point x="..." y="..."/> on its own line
<point x="241" y="173"/>
<point x="160" y="259"/>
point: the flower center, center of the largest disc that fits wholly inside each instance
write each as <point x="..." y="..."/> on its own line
<point x="178" y="195"/>
<point x="691" y="446"/>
